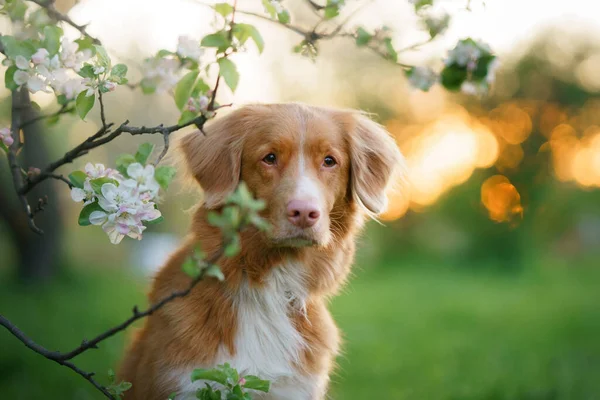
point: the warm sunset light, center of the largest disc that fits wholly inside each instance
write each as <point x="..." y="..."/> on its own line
<point x="441" y="155"/>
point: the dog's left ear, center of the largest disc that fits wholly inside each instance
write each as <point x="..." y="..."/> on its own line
<point x="375" y="162"/>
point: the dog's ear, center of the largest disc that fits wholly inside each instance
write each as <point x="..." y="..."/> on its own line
<point x="375" y="163"/>
<point x="214" y="158"/>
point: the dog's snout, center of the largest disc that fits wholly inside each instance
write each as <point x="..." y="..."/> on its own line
<point x="303" y="214"/>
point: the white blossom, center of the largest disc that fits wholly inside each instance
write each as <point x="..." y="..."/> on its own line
<point x="95" y="171"/>
<point x="87" y="194"/>
<point x="6" y="137"/>
<point x="422" y="78"/>
<point x="144" y="177"/>
<point x="189" y="48"/>
<point x="162" y="72"/>
<point x="41" y="56"/>
<point x="70" y="57"/>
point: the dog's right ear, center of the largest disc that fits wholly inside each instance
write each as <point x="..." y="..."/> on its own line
<point x="214" y="159"/>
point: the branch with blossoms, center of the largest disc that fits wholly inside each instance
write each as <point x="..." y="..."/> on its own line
<point x="124" y="200"/>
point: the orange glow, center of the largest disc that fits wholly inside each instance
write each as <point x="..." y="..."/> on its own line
<point x="439" y="156"/>
<point x="501" y="199"/>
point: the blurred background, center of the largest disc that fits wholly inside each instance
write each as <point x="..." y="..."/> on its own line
<point x="482" y="282"/>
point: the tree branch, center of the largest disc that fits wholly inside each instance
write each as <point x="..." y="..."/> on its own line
<point x="64" y="358"/>
<point x="57" y="15"/>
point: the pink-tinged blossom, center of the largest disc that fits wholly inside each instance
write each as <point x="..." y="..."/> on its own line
<point x="6" y="137"/>
<point x="87" y="194"/>
<point x="144" y="177"/>
<point x="189" y="48"/>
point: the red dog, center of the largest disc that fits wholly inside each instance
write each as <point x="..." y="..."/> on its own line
<point x="321" y="172"/>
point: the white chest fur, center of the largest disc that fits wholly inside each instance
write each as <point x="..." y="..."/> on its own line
<point x="267" y="343"/>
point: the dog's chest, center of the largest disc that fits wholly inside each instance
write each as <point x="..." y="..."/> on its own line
<point x="267" y="343"/>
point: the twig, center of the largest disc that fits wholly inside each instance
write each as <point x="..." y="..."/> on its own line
<point x="63" y="358"/>
<point x="64" y="109"/>
<point x="57" y="15"/>
<point x="102" y="115"/>
<point x="20" y="100"/>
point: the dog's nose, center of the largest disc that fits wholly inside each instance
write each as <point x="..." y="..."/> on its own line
<point x="302" y="213"/>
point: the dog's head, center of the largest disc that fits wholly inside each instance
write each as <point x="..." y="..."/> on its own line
<point x="311" y="165"/>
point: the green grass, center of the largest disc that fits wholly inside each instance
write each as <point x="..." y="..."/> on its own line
<point x="420" y="333"/>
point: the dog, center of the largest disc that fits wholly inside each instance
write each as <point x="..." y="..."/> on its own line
<point x="322" y="173"/>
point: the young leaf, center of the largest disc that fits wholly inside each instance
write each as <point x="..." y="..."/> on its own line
<point x="184" y="88"/>
<point x="86" y="43"/>
<point x="269" y="8"/>
<point x="284" y="17"/>
<point x="123" y="162"/>
<point x="84" y="104"/>
<point x="77" y="178"/>
<point x="215" y="272"/>
<point x="119" y="70"/>
<point x="103" y="58"/>
<point x="233" y="247"/>
<point x="14" y="47"/>
<point x="52" y="34"/>
<point x="111" y="376"/>
<point x="223" y="8"/>
<point x="362" y="37"/>
<point x="9" y="80"/>
<point x="453" y="76"/>
<point x="144" y="152"/>
<point x="84" y="215"/>
<point x="87" y="71"/>
<point x="391" y="52"/>
<point x="332" y="8"/>
<point x="228" y="71"/>
<point x="186" y="116"/>
<point x="99" y="182"/>
<point x="254" y="382"/>
<point x="214" y="375"/>
<point x="155" y="221"/>
<point x="148" y="86"/>
<point x="244" y="31"/>
<point x="219" y="40"/>
<point x="200" y="88"/>
<point x="164" y="175"/>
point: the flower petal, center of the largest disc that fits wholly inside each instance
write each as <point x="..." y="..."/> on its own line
<point x="98" y="217"/>
<point x="135" y="170"/>
<point x="78" y="194"/>
<point x="109" y="191"/>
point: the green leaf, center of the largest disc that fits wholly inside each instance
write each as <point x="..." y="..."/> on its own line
<point x="164" y="176"/>
<point x="84" y="104"/>
<point x="284" y="17"/>
<point x="453" y="76"/>
<point x="481" y="70"/>
<point x="123" y="162"/>
<point x="223" y="8"/>
<point x="102" y="56"/>
<point x="269" y="8"/>
<point x="62" y="99"/>
<point x="233" y="247"/>
<point x="184" y="88"/>
<point x="163" y="53"/>
<point x="254" y="382"/>
<point x="51" y="42"/>
<point x="77" y="178"/>
<point x="214" y="375"/>
<point x="155" y="221"/>
<point x="87" y="71"/>
<point x="200" y="88"/>
<point x="215" y="272"/>
<point x="148" y="86"/>
<point x="332" y="8"/>
<point x="245" y="31"/>
<point x="172" y="396"/>
<point x="84" y="215"/>
<point x="111" y="376"/>
<point x="119" y="70"/>
<point x="99" y="182"/>
<point x="362" y="37"/>
<point x="218" y="39"/>
<point x="9" y="80"/>
<point x="228" y="71"/>
<point x="144" y="152"/>
<point x="186" y="117"/>
<point x="36" y="106"/>
<point x="14" y="47"/>
<point x="16" y="10"/>
<point x="86" y="43"/>
<point x="190" y="268"/>
<point x="422" y="3"/>
<point x="391" y="52"/>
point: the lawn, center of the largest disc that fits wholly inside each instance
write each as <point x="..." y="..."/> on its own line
<point x="410" y="333"/>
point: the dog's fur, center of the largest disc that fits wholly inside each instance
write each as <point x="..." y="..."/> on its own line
<point x="269" y="317"/>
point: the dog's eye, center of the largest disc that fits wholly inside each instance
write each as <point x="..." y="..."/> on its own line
<point x="270" y="159"/>
<point x="329" y="161"/>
